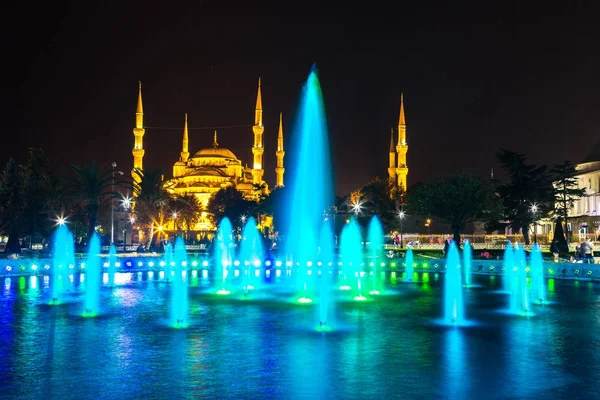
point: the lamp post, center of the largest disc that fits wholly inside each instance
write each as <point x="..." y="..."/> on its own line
<point x="401" y="215"/>
<point x="126" y="206"/>
<point x="112" y="206"/>
<point x="112" y="203"/>
<point x="175" y="223"/>
<point x="534" y="210"/>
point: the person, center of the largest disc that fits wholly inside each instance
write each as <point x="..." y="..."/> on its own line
<point x="578" y="253"/>
<point x="446" y="247"/>
<point x="584" y="250"/>
<point x="554" y="247"/>
<point x="588" y="251"/>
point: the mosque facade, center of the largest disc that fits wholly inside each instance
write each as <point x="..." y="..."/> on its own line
<point x="208" y="170"/>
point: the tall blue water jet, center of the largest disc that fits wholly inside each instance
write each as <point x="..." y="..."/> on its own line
<point x="508" y="264"/>
<point x="352" y="255"/>
<point x="251" y="253"/>
<point x="63" y="255"/>
<point x="224" y="249"/>
<point x="93" y="275"/>
<point x="538" y="287"/>
<point x="375" y="239"/>
<point x="467" y="263"/>
<point x="519" y="294"/>
<point x="454" y="308"/>
<point x="408" y="265"/>
<point x="179" y="294"/>
<point x="326" y="263"/>
<point x="112" y="264"/>
<point x="311" y="186"/>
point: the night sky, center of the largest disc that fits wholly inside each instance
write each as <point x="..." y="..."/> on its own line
<point x="476" y="77"/>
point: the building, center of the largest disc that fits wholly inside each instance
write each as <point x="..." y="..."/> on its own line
<point x="210" y="169"/>
<point x="584" y="216"/>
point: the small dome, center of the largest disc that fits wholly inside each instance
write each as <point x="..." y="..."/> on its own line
<point x="215" y="152"/>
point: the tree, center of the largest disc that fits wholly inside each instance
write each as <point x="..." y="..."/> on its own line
<point x="382" y="199"/>
<point x="530" y="185"/>
<point x="151" y="201"/>
<point x="231" y="203"/>
<point x="188" y="210"/>
<point x="276" y="205"/>
<point x="559" y="237"/>
<point x="11" y="205"/>
<point x="456" y="199"/>
<point x="566" y="191"/>
<point x="34" y="172"/>
<point x="90" y="185"/>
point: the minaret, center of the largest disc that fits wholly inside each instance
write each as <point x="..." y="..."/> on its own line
<point x="279" y="170"/>
<point x="402" y="148"/>
<point x="392" y="165"/>
<point x="185" y="154"/>
<point x="257" y="148"/>
<point x="215" y="143"/>
<point x="138" y="134"/>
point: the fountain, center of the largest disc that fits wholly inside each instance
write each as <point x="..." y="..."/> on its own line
<point x="508" y="265"/>
<point x="351" y="255"/>
<point x="251" y="254"/>
<point x="179" y="292"/>
<point x="454" y="308"/>
<point x="408" y="265"/>
<point x="93" y="274"/>
<point x="167" y="262"/>
<point x="519" y="292"/>
<point x="467" y="263"/>
<point x="538" y="287"/>
<point x="224" y="248"/>
<point x="311" y="185"/>
<point x="63" y="258"/>
<point x="112" y="264"/>
<point x="326" y="262"/>
<point x="375" y="242"/>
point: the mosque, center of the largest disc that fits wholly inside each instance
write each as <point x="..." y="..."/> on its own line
<point x="208" y="170"/>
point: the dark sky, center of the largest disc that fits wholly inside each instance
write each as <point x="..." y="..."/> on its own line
<point x="476" y="77"/>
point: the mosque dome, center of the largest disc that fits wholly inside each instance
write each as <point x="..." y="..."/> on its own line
<point x="220" y="152"/>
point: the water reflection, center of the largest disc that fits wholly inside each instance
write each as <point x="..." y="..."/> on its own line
<point x="457" y="379"/>
<point x="267" y="347"/>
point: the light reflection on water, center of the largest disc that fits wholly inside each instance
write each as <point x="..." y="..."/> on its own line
<point x="268" y="347"/>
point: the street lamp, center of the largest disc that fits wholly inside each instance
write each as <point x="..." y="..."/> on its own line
<point x="534" y="209"/>
<point x="401" y="215"/>
<point x="112" y="203"/>
<point x="127" y="206"/>
<point x="175" y="223"/>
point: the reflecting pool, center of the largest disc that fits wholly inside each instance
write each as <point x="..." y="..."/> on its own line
<point x="267" y="345"/>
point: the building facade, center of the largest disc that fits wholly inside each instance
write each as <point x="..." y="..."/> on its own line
<point x="213" y="168"/>
<point x="584" y="215"/>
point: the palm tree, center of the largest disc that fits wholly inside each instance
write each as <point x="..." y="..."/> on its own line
<point x="90" y="186"/>
<point x="188" y="208"/>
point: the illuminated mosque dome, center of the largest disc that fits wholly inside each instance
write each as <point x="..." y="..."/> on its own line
<point x="208" y="171"/>
<point x="214" y="152"/>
